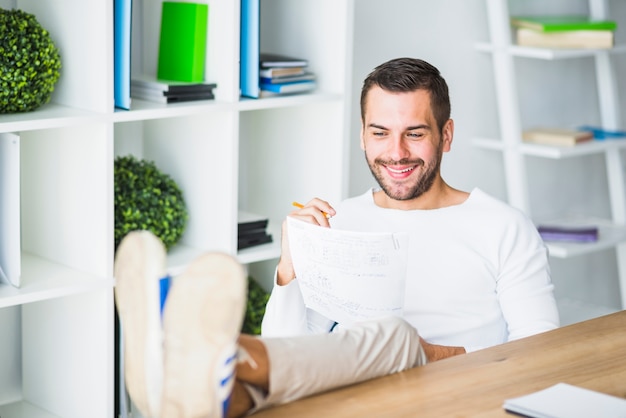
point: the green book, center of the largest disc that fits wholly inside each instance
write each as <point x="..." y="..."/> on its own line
<point x="561" y="23"/>
<point x="182" y="46"/>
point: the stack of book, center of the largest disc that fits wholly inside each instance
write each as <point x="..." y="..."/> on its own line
<point x="279" y="74"/>
<point x="167" y="91"/>
<point x="564" y="32"/>
<point x="251" y="230"/>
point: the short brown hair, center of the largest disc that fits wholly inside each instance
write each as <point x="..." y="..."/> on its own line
<point x="405" y="75"/>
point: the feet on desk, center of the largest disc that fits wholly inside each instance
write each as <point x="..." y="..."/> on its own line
<point x="139" y="267"/>
<point x="181" y="362"/>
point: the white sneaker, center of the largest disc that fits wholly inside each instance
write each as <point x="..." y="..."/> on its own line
<point x="139" y="266"/>
<point x="202" y="320"/>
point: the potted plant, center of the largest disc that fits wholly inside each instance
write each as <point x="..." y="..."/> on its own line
<point x="29" y="62"/>
<point x="147" y="199"/>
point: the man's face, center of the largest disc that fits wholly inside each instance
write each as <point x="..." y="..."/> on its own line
<point x="402" y="144"/>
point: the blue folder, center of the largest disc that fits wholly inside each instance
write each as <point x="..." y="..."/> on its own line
<point x="250" y="48"/>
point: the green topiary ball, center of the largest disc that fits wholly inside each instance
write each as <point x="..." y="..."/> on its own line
<point x="255" y="308"/>
<point x="29" y="62"/>
<point x="147" y="199"/>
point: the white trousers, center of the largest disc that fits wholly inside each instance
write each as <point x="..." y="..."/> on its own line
<point x="306" y="365"/>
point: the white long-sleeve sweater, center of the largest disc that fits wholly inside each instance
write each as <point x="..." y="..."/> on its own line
<point x="477" y="273"/>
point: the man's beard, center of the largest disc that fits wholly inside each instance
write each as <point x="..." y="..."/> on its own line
<point x="405" y="192"/>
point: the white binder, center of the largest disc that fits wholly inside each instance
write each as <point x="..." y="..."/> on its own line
<point x="10" y="238"/>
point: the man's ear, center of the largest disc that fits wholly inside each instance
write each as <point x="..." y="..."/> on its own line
<point x="447" y="133"/>
<point x="362" y="137"/>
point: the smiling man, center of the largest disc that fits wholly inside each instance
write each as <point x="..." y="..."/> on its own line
<point x="477" y="273"/>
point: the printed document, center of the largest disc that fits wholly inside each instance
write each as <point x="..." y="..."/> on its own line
<point x="349" y="276"/>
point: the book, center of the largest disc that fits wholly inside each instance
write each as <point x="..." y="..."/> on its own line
<point x="182" y="42"/>
<point x="249" y="48"/>
<point x="170" y="86"/>
<point x="286" y="88"/>
<point x="10" y="238"/>
<point x="568" y="233"/>
<point x="160" y="97"/>
<point x="288" y="78"/>
<point x="601" y="133"/>
<point x="269" y="60"/>
<point x="281" y="72"/>
<point x="583" y="39"/>
<point x="247" y="221"/>
<point x="562" y="23"/>
<point x="122" y="13"/>
<point x="556" y="136"/>
<point x="251" y="240"/>
<point x="563" y="400"/>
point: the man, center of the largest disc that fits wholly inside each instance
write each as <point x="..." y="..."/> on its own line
<point x="477" y="272"/>
<point x="477" y="276"/>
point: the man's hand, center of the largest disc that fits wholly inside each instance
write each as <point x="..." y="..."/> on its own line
<point x="439" y="352"/>
<point x="317" y="212"/>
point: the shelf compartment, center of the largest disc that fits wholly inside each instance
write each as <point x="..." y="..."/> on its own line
<point x="194" y="150"/>
<point x="287" y="101"/>
<point x="48" y="116"/>
<point x="142" y="110"/>
<point x="23" y="409"/>
<point x="609" y="236"/>
<point x="43" y="279"/>
<point x="546" y="53"/>
<point x="547" y="151"/>
<point x="145" y="110"/>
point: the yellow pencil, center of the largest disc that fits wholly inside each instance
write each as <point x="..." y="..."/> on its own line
<point x="300" y="206"/>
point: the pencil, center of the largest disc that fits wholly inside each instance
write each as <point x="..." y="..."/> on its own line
<point x="300" y="206"/>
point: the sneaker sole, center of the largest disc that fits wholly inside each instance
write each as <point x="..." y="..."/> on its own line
<point x="139" y="264"/>
<point x="202" y="321"/>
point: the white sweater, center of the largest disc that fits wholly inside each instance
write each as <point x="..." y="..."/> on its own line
<point x="477" y="274"/>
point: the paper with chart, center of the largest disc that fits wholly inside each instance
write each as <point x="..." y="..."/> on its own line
<point x="349" y="276"/>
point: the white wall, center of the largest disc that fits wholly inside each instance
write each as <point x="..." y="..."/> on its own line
<point x="444" y="33"/>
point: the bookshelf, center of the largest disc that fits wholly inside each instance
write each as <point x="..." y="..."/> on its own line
<point x="522" y="182"/>
<point x="226" y="154"/>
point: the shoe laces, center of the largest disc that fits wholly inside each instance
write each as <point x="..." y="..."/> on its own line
<point x="244" y="357"/>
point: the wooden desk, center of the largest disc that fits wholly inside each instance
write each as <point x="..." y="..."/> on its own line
<point x="590" y="354"/>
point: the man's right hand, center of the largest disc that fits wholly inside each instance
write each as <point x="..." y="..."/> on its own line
<point x="317" y="212"/>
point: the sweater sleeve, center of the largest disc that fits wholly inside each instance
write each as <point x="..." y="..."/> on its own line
<point x="524" y="287"/>
<point x="286" y="315"/>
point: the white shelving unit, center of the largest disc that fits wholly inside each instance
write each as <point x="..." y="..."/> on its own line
<point x="226" y="154"/>
<point x="505" y="56"/>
